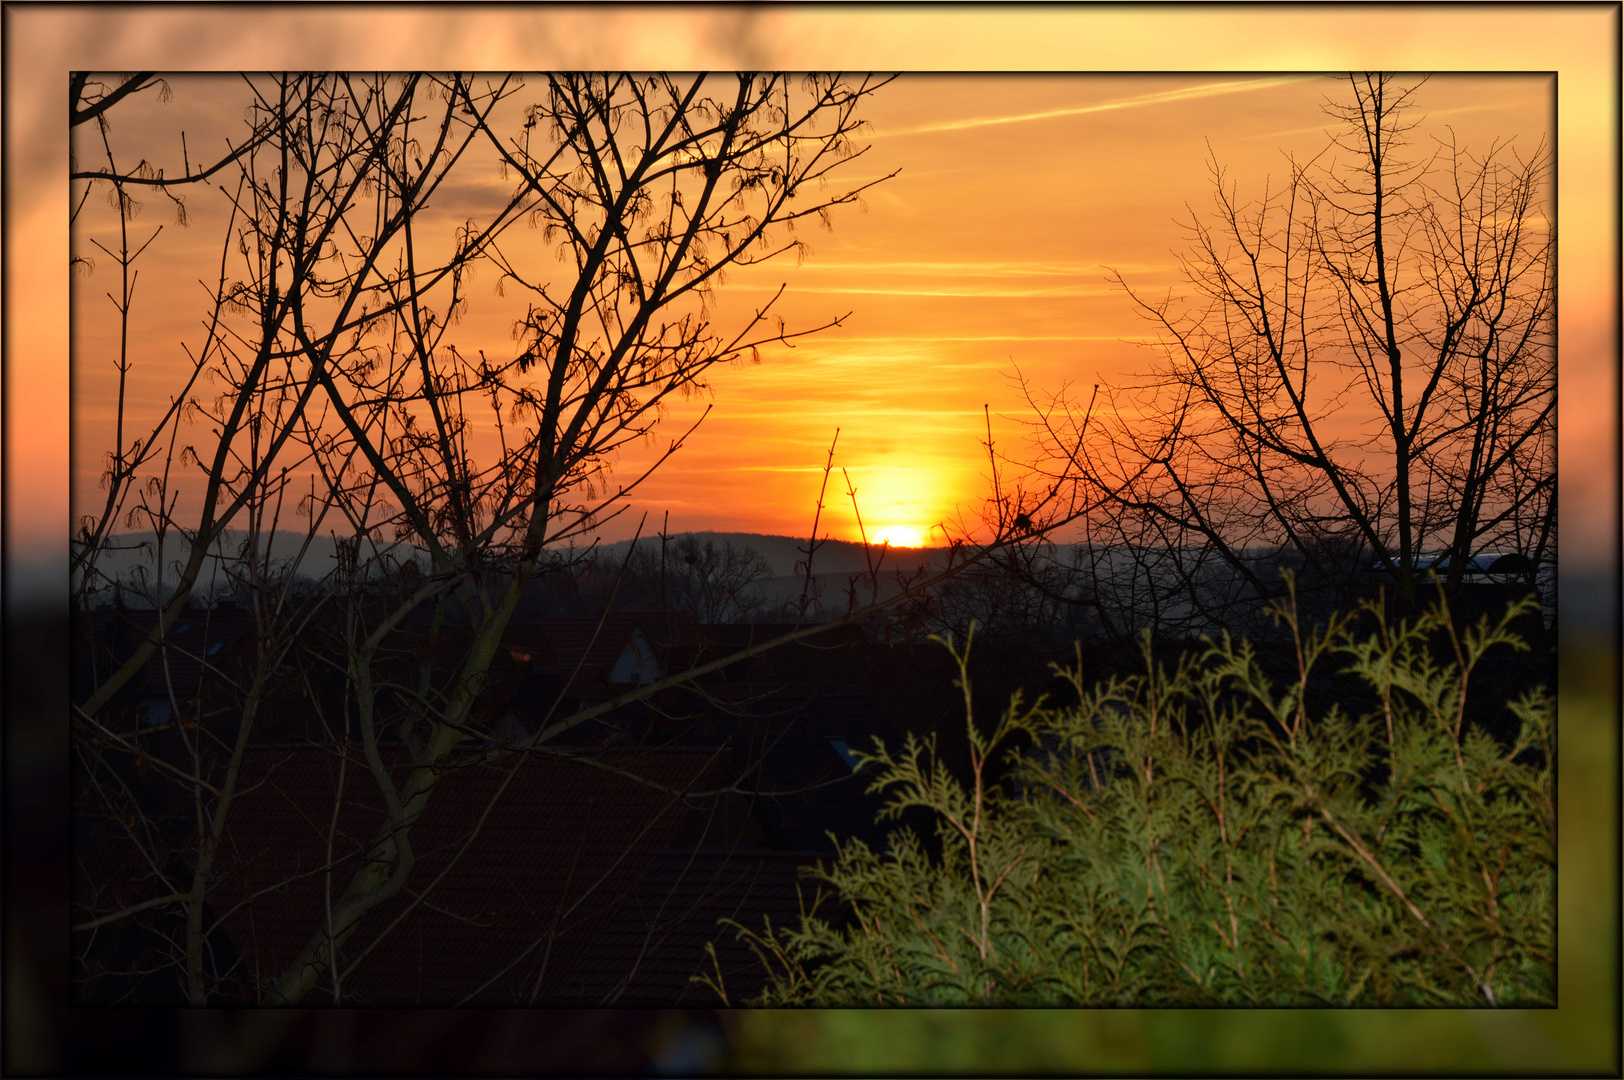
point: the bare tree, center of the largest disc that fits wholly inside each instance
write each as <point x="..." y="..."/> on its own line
<point x="708" y="580"/>
<point x="316" y="162"/>
<point x="444" y="476"/>
<point x="1362" y="374"/>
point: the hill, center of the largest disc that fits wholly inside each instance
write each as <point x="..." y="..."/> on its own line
<point x="128" y="553"/>
<point x="783" y="552"/>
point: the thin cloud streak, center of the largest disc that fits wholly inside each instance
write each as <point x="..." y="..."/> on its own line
<point x="969" y="293"/>
<point x="985" y="269"/>
<point x="1139" y="101"/>
<point x="916" y="339"/>
<point x="1327" y="127"/>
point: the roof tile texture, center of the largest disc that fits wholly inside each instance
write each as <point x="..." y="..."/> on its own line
<point x="504" y="910"/>
<point x="649" y="950"/>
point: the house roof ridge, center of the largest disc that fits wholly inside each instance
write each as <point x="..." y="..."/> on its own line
<point x="744" y="853"/>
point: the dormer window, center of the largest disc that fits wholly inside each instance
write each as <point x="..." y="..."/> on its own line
<point x="843" y="748"/>
<point x="638" y="665"/>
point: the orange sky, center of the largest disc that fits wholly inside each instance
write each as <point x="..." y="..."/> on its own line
<point x="985" y="253"/>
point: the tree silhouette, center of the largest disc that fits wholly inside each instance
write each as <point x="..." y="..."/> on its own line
<point x="1362" y="373"/>
<point x="345" y="397"/>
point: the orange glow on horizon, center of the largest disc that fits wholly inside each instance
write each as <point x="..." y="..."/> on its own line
<point x="948" y="292"/>
<point x="942" y="312"/>
<point x="974" y="262"/>
<point x="899" y="536"/>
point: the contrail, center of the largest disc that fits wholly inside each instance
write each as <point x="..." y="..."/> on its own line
<point x="1159" y="98"/>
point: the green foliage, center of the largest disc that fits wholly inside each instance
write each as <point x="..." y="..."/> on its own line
<point x="1198" y="837"/>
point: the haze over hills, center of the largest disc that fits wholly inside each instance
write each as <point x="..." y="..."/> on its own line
<point x="128" y="554"/>
<point x="781" y="553"/>
<point x="835" y="565"/>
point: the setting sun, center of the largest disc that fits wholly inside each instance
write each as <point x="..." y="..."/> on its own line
<point x="899" y="536"/>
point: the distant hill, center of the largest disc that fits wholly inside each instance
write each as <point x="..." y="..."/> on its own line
<point x="783" y="552"/>
<point x="128" y="551"/>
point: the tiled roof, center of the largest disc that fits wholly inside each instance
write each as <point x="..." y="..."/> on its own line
<point x="113" y="871"/>
<point x="649" y="949"/>
<point x="786" y="740"/>
<point x="586" y="649"/>
<point x="133" y="960"/>
<point x="813" y="791"/>
<point x="563" y="846"/>
<point x="568" y="846"/>
<point x="196" y="637"/>
<point x="835" y="657"/>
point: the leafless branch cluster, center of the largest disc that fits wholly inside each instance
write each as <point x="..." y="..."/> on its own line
<point x="332" y="396"/>
<point x="1359" y="377"/>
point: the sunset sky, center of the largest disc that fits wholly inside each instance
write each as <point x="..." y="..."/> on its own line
<point x="985" y="255"/>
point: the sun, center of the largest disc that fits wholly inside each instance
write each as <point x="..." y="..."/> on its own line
<point x="899" y="536"/>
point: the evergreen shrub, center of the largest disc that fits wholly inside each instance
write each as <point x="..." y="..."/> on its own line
<point x="1202" y="836"/>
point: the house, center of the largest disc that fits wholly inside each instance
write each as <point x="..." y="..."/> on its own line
<point x="590" y="870"/>
<point x="115" y="864"/>
<point x="651" y="951"/>
<point x="518" y="859"/>
<point x="1490" y="582"/>
<point x="795" y="750"/>
<point x="201" y="642"/>
<point x="556" y="665"/>
<point x="539" y="874"/>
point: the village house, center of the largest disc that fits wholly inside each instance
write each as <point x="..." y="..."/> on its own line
<point x="590" y="869"/>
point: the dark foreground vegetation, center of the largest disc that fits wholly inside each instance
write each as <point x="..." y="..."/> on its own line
<point x="1203" y="834"/>
<point x="649" y="756"/>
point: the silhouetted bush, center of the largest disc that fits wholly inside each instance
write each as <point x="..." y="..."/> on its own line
<point x="1199" y="835"/>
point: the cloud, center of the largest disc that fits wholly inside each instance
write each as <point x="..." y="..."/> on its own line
<point x="1161" y="97"/>
<point x="984" y="269"/>
<point x="968" y="291"/>
<point x="915" y="339"/>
